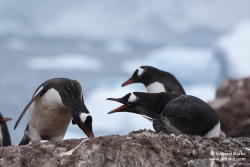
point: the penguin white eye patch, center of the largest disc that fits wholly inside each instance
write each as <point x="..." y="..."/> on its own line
<point x="132" y="98"/>
<point x="140" y="72"/>
<point x="83" y="117"/>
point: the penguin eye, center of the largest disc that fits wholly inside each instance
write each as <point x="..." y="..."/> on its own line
<point x="129" y="103"/>
<point x="139" y="76"/>
<point x="81" y="122"/>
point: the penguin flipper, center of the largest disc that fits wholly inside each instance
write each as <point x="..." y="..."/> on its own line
<point x="26" y="108"/>
<point x="25" y="140"/>
<point x="153" y="117"/>
<point x="1" y="138"/>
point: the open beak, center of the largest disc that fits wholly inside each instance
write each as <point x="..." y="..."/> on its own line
<point x="117" y="109"/>
<point x="88" y="133"/>
<point x="128" y="82"/>
<point x="6" y="119"/>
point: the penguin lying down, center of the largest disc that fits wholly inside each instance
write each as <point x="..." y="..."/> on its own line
<point x="178" y="114"/>
<point x="54" y="104"/>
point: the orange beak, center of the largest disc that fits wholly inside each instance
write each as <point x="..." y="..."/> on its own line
<point x="128" y="82"/>
<point x="88" y="133"/>
<point x="117" y="109"/>
<point x="6" y="119"/>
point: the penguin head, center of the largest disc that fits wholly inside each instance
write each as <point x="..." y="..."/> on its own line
<point x="150" y="101"/>
<point x="139" y="76"/>
<point x="84" y="121"/>
<point x="129" y="102"/>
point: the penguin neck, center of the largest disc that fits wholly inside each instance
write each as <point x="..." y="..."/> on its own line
<point x="155" y="102"/>
<point x="152" y="77"/>
<point x="77" y="108"/>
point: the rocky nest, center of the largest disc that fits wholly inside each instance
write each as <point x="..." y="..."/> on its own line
<point x="138" y="148"/>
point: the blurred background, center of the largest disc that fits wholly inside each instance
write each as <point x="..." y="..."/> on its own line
<point x="101" y="43"/>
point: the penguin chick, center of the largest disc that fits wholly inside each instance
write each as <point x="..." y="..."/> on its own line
<point x="179" y="114"/>
<point x="54" y="103"/>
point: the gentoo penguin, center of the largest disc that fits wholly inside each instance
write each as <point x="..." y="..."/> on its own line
<point x="4" y="132"/>
<point x="180" y="114"/>
<point x="54" y="103"/>
<point x="155" y="80"/>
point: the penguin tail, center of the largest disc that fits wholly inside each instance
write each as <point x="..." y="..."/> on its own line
<point x="153" y="117"/>
<point x="25" y="140"/>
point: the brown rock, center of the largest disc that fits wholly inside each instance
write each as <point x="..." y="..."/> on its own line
<point x="232" y="105"/>
<point x="139" y="148"/>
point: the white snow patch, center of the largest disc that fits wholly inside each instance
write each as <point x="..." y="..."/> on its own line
<point x="189" y="64"/>
<point x="236" y="47"/>
<point x="65" y="62"/>
<point x="206" y="92"/>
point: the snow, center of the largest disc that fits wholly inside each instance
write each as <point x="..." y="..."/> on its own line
<point x="65" y="62"/>
<point x="236" y="47"/>
<point x="206" y="92"/>
<point x="187" y="64"/>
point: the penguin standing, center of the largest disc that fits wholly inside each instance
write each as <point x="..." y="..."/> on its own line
<point x="54" y="103"/>
<point x="4" y="132"/>
<point x="155" y="80"/>
<point x="178" y="114"/>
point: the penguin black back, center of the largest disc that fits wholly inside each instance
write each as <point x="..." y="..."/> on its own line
<point x="192" y="112"/>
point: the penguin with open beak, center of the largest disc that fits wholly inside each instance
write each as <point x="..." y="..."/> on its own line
<point x="4" y="132"/>
<point x="155" y="80"/>
<point x="178" y="114"/>
<point x="53" y="105"/>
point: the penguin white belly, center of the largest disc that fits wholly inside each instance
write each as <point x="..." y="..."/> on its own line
<point x="155" y="87"/>
<point x="1" y="136"/>
<point x="215" y="131"/>
<point x="48" y="118"/>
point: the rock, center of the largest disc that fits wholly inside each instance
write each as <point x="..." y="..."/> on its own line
<point x="138" y="148"/>
<point x="232" y="105"/>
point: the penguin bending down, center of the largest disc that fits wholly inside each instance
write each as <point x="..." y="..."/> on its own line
<point x="155" y="80"/>
<point x="4" y="132"/>
<point x="178" y="114"/>
<point x="54" y="103"/>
